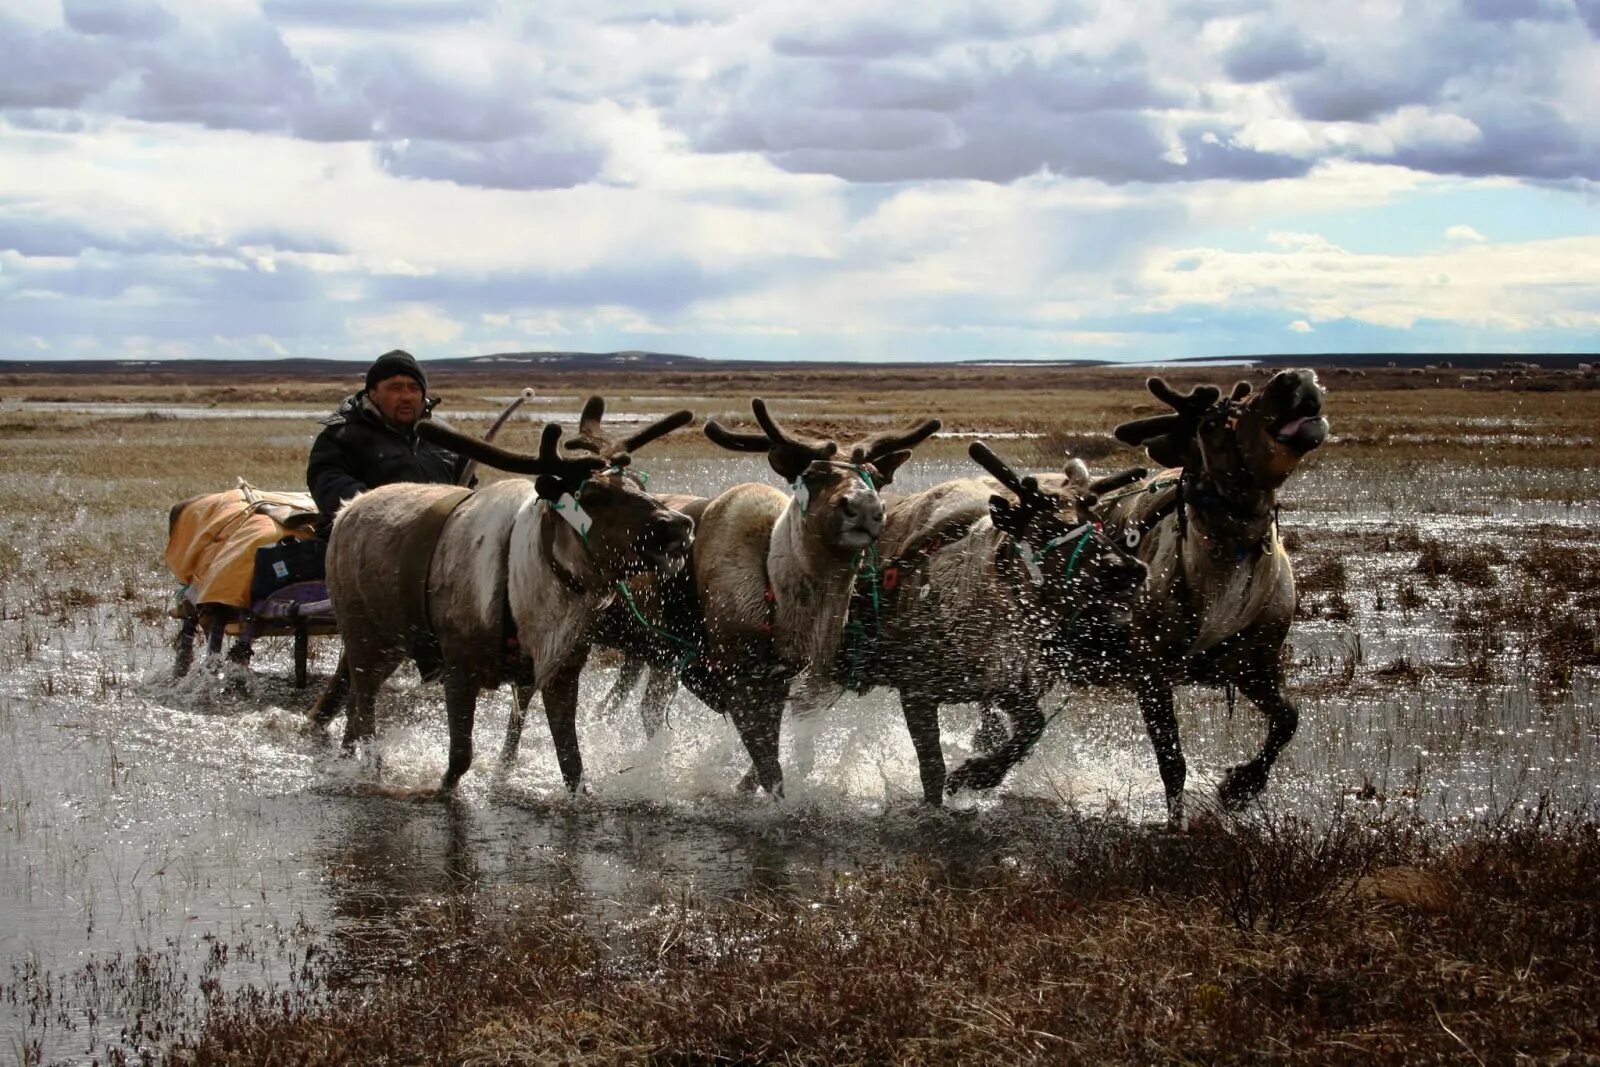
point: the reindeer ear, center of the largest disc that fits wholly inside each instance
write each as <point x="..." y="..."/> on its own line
<point x="1240" y="391"/>
<point x="1005" y="514"/>
<point x="547" y="487"/>
<point x="1077" y="473"/>
<point x="888" y="464"/>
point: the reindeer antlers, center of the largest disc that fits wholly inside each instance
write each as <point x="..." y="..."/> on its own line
<point x="789" y="455"/>
<point x="593" y="438"/>
<point x="880" y="445"/>
<point x="1026" y="488"/>
<point x="1167" y="437"/>
<point x="547" y="462"/>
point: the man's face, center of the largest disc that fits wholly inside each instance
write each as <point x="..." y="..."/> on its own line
<point x="399" y="400"/>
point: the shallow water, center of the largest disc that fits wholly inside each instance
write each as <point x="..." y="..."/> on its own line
<point x="143" y="815"/>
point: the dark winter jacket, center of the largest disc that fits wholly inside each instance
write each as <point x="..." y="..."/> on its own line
<point x="358" y="450"/>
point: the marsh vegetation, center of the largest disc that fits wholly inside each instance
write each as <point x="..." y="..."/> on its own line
<point x="188" y="873"/>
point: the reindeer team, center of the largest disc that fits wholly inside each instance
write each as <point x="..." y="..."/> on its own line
<point x="991" y="591"/>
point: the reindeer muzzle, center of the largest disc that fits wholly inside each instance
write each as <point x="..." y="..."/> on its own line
<point x="1302" y="433"/>
<point x="860" y="519"/>
<point x="667" y="541"/>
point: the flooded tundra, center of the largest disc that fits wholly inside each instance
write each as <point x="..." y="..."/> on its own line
<point x="180" y="855"/>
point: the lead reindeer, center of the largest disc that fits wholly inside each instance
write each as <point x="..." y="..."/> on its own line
<point x="511" y="577"/>
<point x="768" y="590"/>
<point x="1221" y="591"/>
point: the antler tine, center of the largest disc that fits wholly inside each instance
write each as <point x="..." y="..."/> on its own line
<point x="736" y="442"/>
<point x="985" y="457"/>
<point x="779" y="436"/>
<point x="1198" y="399"/>
<point x="591" y="435"/>
<point x="658" y="429"/>
<point x="881" y="444"/>
<point x="1139" y="431"/>
<point x="594" y="410"/>
<point x="546" y="462"/>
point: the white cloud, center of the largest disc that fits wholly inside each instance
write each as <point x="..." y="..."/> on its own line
<point x="1300" y="326"/>
<point x="1463" y="233"/>
<point x="414" y="325"/>
<point x="1553" y="284"/>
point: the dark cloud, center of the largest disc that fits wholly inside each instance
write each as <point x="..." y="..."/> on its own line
<point x="1270" y="52"/>
<point x="52" y="68"/>
<point x="1345" y="93"/>
<point x="238" y="76"/>
<point x="1114" y="147"/>
<point x="520" y="164"/>
<point x="1513" y="10"/>
<point x="393" y="96"/>
<point x="118" y="18"/>
<point x="1521" y="138"/>
<point x="877" y="32"/>
<point x="903" y="120"/>
<point x="374" y="14"/>
<point x="1589" y="11"/>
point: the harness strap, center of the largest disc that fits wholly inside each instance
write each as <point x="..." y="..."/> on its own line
<point x="416" y="560"/>
<point x="547" y="545"/>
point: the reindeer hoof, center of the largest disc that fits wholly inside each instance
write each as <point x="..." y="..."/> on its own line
<point x="1241" y="785"/>
<point x="975" y="774"/>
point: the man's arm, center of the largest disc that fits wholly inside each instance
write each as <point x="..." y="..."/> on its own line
<point x="328" y="474"/>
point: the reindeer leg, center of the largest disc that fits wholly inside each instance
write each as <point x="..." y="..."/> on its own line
<point x="991" y="732"/>
<point x="331" y="702"/>
<point x="622" y="687"/>
<point x="360" y="720"/>
<point x="561" y="712"/>
<point x="215" y="624"/>
<point x="1245" y="782"/>
<point x="758" y="718"/>
<point x="186" y="635"/>
<point x="986" y="772"/>
<point x="521" y="697"/>
<point x="1161" y="723"/>
<point x="922" y="720"/>
<point x="659" y="689"/>
<point x="461" y="705"/>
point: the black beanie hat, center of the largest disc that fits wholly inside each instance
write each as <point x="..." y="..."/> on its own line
<point x="392" y="363"/>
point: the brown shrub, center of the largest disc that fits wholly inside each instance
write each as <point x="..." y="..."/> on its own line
<point x="1469" y="565"/>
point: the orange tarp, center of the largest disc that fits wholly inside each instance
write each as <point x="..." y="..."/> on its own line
<point x="212" y="546"/>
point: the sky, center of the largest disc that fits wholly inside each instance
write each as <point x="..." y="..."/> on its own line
<point x="1003" y="179"/>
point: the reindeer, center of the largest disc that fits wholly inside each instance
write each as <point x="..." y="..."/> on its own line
<point x="770" y="580"/>
<point x="989" y="599"/>
<point x="1221" y="591"/>
<point x="504" y="581"/>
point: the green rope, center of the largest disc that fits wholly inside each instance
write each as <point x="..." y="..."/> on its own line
<point x="866" y="561"/>
<point x="690" y="654"/>
<point x="1153" y="487"/>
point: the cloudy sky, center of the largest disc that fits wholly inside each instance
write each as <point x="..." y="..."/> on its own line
<point x="828" y="179"/>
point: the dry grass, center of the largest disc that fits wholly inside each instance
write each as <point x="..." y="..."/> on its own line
<point x="1368" y="941"/>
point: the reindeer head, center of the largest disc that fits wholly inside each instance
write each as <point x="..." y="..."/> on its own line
<point x="1077" y="570"/>
<point x="1244" y="442"/>
<point x="624" y="529"/>
<point x="837" y="499"/>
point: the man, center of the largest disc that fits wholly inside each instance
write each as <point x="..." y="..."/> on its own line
<point x="372" y="439"/>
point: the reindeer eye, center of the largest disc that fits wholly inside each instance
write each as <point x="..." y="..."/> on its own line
<point x="1130" y="537"/>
